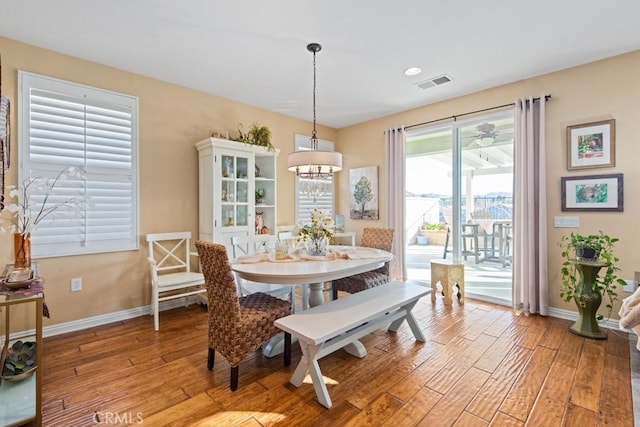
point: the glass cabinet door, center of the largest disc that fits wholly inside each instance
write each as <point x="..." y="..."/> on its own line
<point x="234" y="189"/>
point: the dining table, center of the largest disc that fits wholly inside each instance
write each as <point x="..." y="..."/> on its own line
<point x="312" y="272"/>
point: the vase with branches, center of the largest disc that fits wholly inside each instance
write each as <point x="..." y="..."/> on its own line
<point x="35" y="201"/>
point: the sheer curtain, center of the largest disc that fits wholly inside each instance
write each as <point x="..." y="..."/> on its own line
<point x="395" y="151"/>
<point x="530" y="286"/>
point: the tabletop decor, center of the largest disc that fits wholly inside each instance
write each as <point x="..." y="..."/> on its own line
<point x="35" y="201"/>
<point x="318" y="235"/>
<point x="19" y="361"/>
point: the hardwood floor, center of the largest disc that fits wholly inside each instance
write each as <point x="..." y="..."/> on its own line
<point x="481" y="366"/>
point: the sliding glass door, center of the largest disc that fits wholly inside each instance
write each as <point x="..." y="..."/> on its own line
<point x="459" y="180"/>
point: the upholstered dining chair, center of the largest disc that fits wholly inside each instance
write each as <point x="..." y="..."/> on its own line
<point x="237" y="325"/>
<point x="372" y="237"/>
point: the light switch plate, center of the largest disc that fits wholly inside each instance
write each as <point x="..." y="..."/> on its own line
<point x="566" y="222"/>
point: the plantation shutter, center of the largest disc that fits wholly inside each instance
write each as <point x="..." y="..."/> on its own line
<point x="64" y="124"/>
<point x="311" y="193"/>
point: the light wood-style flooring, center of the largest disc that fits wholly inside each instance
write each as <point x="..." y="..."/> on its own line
<point x="482" y="365"/>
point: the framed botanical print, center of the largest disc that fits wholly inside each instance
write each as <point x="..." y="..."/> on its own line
<point x="363" y="185"/>
<point x="592" y="193"/>
<point x="591" y="145"/>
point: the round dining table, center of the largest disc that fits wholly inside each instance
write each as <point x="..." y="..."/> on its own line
<point x="307" y="271"/>
<point x="342" y="261"/>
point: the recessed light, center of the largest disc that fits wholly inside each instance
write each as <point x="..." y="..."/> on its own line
<point x="413" y="71"/>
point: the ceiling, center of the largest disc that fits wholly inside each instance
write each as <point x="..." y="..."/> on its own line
<point x="255" y="51"/>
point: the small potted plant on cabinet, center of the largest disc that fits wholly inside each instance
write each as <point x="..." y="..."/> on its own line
<point x="584" y="257"/>
<point x="260" y="195"/>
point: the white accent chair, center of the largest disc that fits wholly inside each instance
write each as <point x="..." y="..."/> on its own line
<point x="248" y="245"/>
<point x="171" y="275"/>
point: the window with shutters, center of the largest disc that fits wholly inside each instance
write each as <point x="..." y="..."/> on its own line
<point x="313" y="193"/>
<point x="63" y="124"/>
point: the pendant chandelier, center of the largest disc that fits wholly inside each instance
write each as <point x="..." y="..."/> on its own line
<point x="314" y="163"/>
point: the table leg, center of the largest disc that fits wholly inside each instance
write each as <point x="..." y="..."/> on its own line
<point x="275" y="345"/>
<point x="356" y="349"/>
<point x="316" y="296"/>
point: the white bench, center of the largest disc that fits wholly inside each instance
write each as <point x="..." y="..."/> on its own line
<point x="326" y="328"/>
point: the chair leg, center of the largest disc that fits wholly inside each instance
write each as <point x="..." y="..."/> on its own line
<point x="446" y="244"/>
<point x="156" y="308"/>
<point x="287" y="349"/>
<point x="234" y="378"/>
<point x="211" y="358"/>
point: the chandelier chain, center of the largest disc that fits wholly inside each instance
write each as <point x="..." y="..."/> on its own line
<point x="314" y="134"/>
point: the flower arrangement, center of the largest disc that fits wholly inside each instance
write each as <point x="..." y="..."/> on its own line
<point x="21" y="215"/>
<point x="322" y="225"/>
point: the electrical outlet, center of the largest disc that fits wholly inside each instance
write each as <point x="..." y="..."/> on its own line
<point x="76" y="284"/>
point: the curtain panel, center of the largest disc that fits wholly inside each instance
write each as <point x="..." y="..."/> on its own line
<point x="395" y="153"/>
<point x="530" y="270"/>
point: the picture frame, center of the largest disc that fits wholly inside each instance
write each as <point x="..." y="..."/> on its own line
<point x="593" y="193"/>
<point x="591" y="145"/>
<point x="363" y="186"/>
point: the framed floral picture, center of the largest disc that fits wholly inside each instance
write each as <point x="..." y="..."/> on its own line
<point x="591" y="145"/>
<point x="592" y="193"/>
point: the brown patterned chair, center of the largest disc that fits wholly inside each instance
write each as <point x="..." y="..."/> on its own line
<point x="372" y="237"/>
<point x="237" y="325"/>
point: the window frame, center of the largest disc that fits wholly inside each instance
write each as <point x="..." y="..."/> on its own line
<point x="96" y="98"/>
<point x="301" y="142"/>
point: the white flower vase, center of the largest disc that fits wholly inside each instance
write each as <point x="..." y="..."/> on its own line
<point x="317" y="246"/>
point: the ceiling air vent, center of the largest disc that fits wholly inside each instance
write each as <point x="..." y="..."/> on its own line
<point x="434" y="81"/>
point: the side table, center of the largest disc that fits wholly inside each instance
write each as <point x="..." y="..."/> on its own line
<point x="20" y="401"/>
<point x="449" y="274"/>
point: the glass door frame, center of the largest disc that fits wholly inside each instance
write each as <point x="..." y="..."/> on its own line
<point x="458" y="174"/>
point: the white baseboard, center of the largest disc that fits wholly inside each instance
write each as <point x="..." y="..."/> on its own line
<point x="103" y="319"/>
<point x="89" y="322"/>
<point x="572" y="315"/>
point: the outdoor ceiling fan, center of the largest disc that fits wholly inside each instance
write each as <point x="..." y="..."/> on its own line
<point x="486" y="134"/>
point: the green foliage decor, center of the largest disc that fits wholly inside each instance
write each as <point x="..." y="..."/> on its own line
<point x="21" y="358"/>
<point x="572" y="249"/>
<point x="434" y="226"/>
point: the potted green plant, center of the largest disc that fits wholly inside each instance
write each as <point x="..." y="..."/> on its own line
<point x="260" y="135"/>
<point x="260" y="194"/>
<point x="584" y="257"/>
<point x="434" y="231"/>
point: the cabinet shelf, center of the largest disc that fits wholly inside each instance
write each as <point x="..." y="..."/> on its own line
<point x="20" y="401"/>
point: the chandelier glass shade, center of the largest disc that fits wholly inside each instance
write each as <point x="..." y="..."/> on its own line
<point x="314" y="163"/>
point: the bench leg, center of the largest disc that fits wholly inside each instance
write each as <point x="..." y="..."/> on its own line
<point x="309" y="363"/>
<point x="411" y="321"/>
<point x="356" y="349"/>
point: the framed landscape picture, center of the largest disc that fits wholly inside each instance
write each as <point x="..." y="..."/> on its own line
<point x="591" y="145"/>
<point x="592" y="193"/>
<point x="363" y="186"/>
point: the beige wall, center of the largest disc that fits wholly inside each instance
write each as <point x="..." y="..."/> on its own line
<point x="601" y="90"/>
<point x="172" y="120"/>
